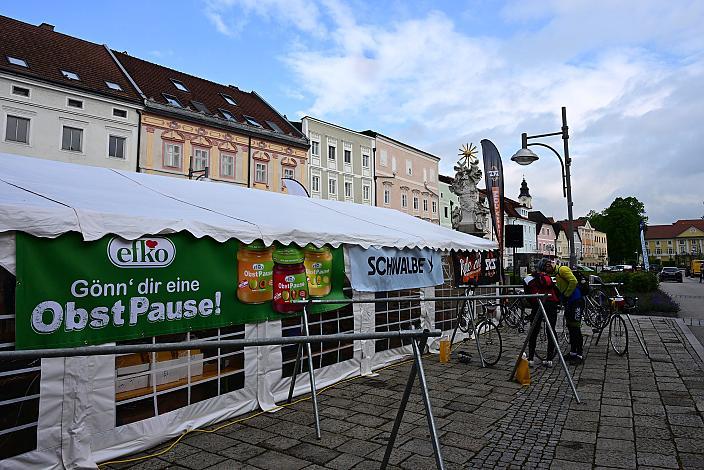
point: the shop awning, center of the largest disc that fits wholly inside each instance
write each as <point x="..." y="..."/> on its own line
<point x="47" y="198"/>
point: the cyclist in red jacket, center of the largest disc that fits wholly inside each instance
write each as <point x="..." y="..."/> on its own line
<point x="540" y="282"/>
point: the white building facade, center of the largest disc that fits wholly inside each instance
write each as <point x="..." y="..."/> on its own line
<point x="340" y="162"/>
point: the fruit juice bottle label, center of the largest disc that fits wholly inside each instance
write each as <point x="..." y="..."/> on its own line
<point x="318" y="273"/>
<point x="256" y="276"/>
<point x="290" y="287"/>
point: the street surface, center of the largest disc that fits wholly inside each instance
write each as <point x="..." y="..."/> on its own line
<point x="635" y="411"/>
<point x="689" y="294"/>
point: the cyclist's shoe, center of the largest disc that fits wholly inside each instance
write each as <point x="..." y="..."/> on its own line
<point x="547" y="364"/>
<point x="531" y="363"/>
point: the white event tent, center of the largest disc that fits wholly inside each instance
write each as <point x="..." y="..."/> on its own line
<point x="76" y="425"/>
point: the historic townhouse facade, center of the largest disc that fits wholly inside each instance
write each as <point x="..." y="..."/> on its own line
<point x="406" y="178"/>
<point x="679" y="241"/>
<point x="65" y="99"/>
<point x="192" y="127"/>
<point x="340" y="162"/>
<point x="546" y="239"/>
<point x="448" y="200"/>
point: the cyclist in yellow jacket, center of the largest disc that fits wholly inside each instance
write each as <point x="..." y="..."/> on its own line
<point x="571" y="297"/>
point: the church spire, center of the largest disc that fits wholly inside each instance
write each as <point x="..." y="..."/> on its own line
<point x="524" y="197"/>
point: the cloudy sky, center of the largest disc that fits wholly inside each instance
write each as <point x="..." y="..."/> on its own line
<point x="438" y="74"/>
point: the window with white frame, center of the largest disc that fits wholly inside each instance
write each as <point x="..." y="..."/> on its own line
<point x="117" y="146"/>
<point x="445" y="210"/>
<point x="425" y="205"/>
<point x="366" y="192"/>
<point x="670" y="251"/>
<point x="72" y="139"/>
<point x="315" y="183"/>
<point x="416" y="203"/>
<point x="173" y="153"/>
<point x="260" y="172"/>
<point x="409" y="167"/>
<point x="365" y="160"/>
<point x="227" y="165"/>
<point x="17" y="61"/>
<point x="435" y="207"/>
<point x="17" y="129"/>
<point x="315" y="148"/>
<point x="113" y="86"/>
<point x="387" y="196"/>
<point x="289" y="172"/>
<point x="332" y="186"/>
<point x="404" y="200"/>
<point x="201" y="159"/>
<point x="347" y="157"/>
<point x="120" y="113"/>
<point x="658" y="251"/>
<point x="20" y="91"/>
<point x="331" y="152"/>
<point x="74" y="103"/>
<point x="70" y="75"/>
<point x="348" y="189"/>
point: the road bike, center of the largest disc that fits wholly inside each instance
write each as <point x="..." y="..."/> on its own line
<point x="618" y="332"/>
<point x="484" y="327"/>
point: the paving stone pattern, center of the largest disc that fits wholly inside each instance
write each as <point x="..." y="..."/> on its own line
<point x="635" y="413"/>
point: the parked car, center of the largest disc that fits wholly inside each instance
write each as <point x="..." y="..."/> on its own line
<point x="670" y="273"/>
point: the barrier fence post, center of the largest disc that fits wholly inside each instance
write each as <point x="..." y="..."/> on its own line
<point x="417" y="368"/>
<point x="299" y="353"/>
<point x="311" y="373"/>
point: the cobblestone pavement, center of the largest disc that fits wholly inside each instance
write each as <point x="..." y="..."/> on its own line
<point x="635" y="412"/>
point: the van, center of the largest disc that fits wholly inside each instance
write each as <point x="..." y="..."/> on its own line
<point x="697" y="266"/>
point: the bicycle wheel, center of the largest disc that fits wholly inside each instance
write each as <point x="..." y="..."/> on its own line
<point x="463" y="317"/>
<point x="512" y="315"/>
<point x="597" y="307"/>
<point x="618" y="335"/>
<point x="541" y="343"/>
<point x="490" y="342"/>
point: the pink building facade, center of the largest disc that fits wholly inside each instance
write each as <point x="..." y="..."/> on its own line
<point x="406" y="178"/>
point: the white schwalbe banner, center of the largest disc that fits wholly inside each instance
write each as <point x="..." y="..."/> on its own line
<point x="387" y="269"/>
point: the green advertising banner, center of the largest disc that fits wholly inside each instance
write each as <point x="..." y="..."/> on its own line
<point x="75" y="293"/>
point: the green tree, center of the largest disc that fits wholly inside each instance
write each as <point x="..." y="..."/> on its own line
<point x="621" y="223"/>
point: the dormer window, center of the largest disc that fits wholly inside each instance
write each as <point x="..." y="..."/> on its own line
<point x="200" y="107"/>
<point x="251" y="121"/>
<point x="17" y="61"/>
<point x="179" y="85"/>
<point x="70" y="75"/>
<point x="227" y="115"/>
<point x="274" y="127"/>
<point x="228" y="99"/>
<point x="113" y="86"/>
<point x="172" y="100"/>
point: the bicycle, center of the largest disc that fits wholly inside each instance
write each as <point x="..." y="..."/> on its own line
<point x="561" y="333"/>
<point x="486" y="332"/>
<point x="596" y="308"/>
<point x="513" y="313"/>
<point x="618" y="332"/>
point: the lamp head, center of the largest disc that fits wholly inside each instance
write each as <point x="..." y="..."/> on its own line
<point x="524" y="156"/>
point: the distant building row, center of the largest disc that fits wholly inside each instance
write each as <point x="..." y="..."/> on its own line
<point x="63" y="98"/>
<point x="678" y="241"/>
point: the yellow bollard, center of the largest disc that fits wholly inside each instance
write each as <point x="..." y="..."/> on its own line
<point x="444" y="349"/>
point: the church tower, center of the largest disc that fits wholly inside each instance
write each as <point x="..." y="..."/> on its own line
<point x="524" y="198"/>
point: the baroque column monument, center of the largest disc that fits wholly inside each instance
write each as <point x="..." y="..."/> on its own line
<point x="471" y="215"/>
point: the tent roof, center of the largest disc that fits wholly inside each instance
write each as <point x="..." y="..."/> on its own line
<point x="48" y="198"/>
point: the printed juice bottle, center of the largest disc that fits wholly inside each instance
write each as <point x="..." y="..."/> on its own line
<point x="318" y="264"/>
<point x="255" y="268"/>
<point x="290" y="282"/>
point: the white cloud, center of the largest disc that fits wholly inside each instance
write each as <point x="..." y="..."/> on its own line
<point x="624" y="70"/>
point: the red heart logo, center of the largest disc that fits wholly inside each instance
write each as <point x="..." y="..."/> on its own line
<point x="151" y="243"/>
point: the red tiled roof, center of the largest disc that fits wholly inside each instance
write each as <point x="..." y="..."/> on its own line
<point x="155" y="81"/>
<point x="47" y="53"/>
<point x="673" y="230"/>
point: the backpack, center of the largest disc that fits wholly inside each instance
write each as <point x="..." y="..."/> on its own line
<point x="582" y="282"/>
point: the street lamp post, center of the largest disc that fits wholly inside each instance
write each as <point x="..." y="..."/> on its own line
<point x="524" y="156"/>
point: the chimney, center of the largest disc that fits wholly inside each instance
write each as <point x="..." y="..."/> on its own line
<point x="47" y="26"/>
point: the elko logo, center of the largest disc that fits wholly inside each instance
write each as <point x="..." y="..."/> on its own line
<point x="151" y="252"/>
